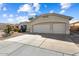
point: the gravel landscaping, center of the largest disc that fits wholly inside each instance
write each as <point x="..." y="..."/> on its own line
<point x="13" y="35"/>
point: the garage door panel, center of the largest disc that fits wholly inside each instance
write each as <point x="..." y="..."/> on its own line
<point x="42" y="28"/>
<point x="55" y="28"/>
<point x="59" y="28"/>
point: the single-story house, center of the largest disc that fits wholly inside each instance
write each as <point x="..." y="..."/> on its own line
<point x="74" y="26"/>
<point x="51" y="23"/>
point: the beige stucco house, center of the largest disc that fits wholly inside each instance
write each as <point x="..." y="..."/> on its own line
<point x="50" y="23"/>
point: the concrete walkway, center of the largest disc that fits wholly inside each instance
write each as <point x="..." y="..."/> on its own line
<point x="36" y="45"/>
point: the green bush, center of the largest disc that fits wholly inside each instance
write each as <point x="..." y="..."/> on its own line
<point x="7" y="30"/>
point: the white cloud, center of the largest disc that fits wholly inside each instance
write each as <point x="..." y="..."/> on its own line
<point x="32" y="14"/>
<point x="4" y="15"/>
<point x="10" y="20"/>
<point x="51" y="11"/>
<point x="22" y="18"/>
<point x="10" y="15"/>
<point x="37" y="6"/>
<point x="64" y="7"/>
<point x="29" y="8"/>
<point x="18" y="19"/>
<point x="25" y="8"/>
<point x="32" y="9"/>
<point x="62" y="11"/>
<point x="4" y="9"/>
<point x="16" y="15"/>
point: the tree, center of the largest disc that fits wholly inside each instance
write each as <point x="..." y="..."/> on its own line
<point x="31" y="18"/>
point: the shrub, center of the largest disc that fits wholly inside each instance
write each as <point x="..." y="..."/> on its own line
<point x="7" y="30"/>
<point x="16" y="29"/>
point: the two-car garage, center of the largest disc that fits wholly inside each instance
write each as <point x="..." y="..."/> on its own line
<point x="51" y="23"/>
<point x="55" y="28"/>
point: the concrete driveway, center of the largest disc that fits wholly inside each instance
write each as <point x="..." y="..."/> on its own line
<point x="37" y="45"/>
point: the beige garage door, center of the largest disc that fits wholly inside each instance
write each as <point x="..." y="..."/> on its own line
<point x="41" y="28"/>
<point x="59" y="28"/>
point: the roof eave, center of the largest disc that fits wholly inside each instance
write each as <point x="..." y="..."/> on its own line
<point x="70" y="18"/>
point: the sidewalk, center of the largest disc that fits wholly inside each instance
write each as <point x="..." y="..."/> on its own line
<point x="36" y="45"/>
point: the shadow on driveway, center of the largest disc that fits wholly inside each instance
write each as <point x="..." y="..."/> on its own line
<point x="61" y="37"/>
<point x="69" y="38"/>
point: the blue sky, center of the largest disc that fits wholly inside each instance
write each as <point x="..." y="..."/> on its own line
<point x="20" y="12"/>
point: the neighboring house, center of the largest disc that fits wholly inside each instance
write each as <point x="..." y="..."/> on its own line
<point x="50" y="23"/>
<point x="74" y="26"/>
